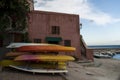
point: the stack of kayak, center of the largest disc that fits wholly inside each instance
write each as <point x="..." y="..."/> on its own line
<point x="37" y="58"/>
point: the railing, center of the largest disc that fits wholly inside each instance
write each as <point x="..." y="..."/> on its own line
<point x="85" y="51"/>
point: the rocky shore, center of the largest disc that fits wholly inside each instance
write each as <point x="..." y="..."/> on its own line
<point x="107" y="50"/>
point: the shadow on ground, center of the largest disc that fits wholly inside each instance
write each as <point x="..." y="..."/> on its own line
<point x="118" y="78"/>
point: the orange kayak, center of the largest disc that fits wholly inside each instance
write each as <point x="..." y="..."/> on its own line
<point x="46" y="48"/>
<point x="11" y="54"/>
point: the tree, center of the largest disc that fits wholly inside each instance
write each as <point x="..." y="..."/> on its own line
<point x="13" y="17"/>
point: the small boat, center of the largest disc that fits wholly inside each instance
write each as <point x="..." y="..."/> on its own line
<point x="102" y="55"/>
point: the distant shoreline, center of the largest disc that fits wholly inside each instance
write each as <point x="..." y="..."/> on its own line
<point x="104" y="47"/>
<point x="107" y="49"/>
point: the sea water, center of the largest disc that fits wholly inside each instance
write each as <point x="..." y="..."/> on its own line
<point x="117" y="56"/>
<point x="103" y="46"/>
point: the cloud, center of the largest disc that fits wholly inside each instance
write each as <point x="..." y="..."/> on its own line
<point x="85" y="9"/>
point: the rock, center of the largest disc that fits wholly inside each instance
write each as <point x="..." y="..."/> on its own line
<point x="89" y="73"/>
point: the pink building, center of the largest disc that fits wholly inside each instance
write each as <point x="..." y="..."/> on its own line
<point x="54" y="28"/>
<point x="57" y="28"/>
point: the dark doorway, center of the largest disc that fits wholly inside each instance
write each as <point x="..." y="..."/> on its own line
<point x="53" y="42"/>
<point x="1" y="42"/>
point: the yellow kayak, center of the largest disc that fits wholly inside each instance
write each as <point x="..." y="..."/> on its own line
<point x="45" y="65"/>
<point x="59" y="58"/>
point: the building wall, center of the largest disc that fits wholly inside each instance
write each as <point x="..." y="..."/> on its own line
<point x="40" y="24"/>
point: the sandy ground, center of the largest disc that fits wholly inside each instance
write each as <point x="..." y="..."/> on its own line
<point x="100" y="69"/>
<point x="13" y="74"/>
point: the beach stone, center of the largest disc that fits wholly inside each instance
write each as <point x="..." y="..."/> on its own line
<point x="89" y="73"/>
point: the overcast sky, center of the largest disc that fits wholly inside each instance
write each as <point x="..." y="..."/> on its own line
<point x="100" y="18"/>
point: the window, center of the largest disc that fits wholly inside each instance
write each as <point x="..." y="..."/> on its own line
<point x="37" y="40"/>
<point x="67" y="42"/>
<point x="55" y="30"/>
